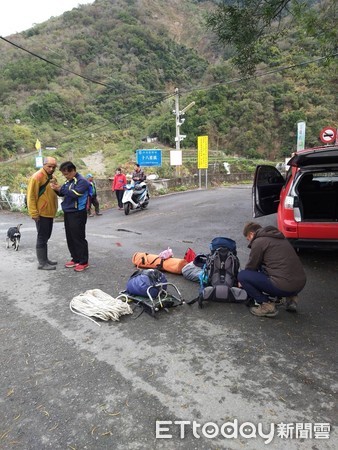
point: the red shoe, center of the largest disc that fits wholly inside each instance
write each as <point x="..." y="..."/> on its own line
<point x="71" y="264"/>
<point x="81" y="267"/>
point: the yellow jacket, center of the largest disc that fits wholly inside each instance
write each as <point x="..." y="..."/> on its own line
<point x="47" y="204"/>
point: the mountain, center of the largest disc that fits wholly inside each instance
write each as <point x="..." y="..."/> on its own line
<point x="103" y="76"/>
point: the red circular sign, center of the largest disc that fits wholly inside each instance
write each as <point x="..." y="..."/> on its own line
<point x="328" y="135"/>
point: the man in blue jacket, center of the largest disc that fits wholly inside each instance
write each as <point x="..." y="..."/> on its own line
<point x="75" y="192"/>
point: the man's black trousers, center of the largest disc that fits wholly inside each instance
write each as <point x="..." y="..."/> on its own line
<point x="75" y="226"/>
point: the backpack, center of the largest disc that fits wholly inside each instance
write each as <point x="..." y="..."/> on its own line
<point x="221" y="268"/>
<point x="228" y="243"/>
<point x="141" y="280"/>
<point x="218" y="278"/>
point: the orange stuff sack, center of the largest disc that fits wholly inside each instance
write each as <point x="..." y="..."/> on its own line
<point x="174" y="265"/>
<point x="151" y="261"/>
<point x="147" y="260"/>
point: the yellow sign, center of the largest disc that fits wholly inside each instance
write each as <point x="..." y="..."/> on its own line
<point x="202" y="152"/>
<point x="38" y="144"/>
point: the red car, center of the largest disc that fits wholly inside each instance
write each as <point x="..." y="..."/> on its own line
<point x="306" y="201"/>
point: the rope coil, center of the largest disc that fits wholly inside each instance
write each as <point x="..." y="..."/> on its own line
<point x="96" y="303"/>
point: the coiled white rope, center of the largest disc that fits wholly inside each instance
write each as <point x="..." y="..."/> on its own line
<point x="96" y="303"/>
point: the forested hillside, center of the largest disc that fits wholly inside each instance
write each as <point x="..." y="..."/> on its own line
<point x="103" y="76"/>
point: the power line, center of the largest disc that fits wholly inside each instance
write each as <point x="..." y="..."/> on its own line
<point x="259" y="75"/>
<point x="119" y="118"/>
<point x="205" y="88"/>
<point x="166" y="96"/>
<point x="234" y="80"/>
<point x="72" y="72"/>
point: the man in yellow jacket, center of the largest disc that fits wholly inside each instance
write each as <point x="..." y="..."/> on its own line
<point x="42" y="203"/>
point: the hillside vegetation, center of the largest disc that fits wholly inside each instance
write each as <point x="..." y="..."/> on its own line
<point x="102" y="77"/>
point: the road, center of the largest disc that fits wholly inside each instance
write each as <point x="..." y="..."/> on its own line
<point x="67" y="383"/>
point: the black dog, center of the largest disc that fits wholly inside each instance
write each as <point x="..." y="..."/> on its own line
<point x="14" y="235"/>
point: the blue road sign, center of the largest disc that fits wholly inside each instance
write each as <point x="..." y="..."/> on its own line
<point x="151" y="157"/>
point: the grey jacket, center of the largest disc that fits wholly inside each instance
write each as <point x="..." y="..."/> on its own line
<point x="272" y="253"/>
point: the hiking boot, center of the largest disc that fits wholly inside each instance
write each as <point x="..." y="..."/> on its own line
<point x="278" y="301"/>
<point x="81" y="267"/>
<point x="46" y="266"/>
<point x="90" y="215"/>
<point x="70" y="264"/>
<point x="52" y="263"/>
<point x="41" y="253"/>
<point x="291" y="303"/>
<point x="264" y="310"/>
<point x="98" y="214"/>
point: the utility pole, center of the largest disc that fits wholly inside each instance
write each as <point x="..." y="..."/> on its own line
<point x="179" y="121"/>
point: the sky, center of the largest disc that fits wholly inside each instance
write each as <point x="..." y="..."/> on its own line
<point x="20" y="15"/>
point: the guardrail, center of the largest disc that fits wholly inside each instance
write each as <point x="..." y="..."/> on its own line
<point x="107" y="198"/>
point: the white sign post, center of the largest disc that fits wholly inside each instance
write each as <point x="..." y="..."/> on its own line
<point x="301" y="135"/>
<point x="175" y="157"/>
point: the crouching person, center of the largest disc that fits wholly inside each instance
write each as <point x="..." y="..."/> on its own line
<point x="273" y="269"/>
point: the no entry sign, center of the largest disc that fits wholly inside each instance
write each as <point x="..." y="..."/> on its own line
<point x="328" y="135"/>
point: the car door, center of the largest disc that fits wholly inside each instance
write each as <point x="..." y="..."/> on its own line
<point x="267" y="185"/>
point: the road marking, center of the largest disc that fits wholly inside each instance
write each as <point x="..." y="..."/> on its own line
<point x="104" y="236"/>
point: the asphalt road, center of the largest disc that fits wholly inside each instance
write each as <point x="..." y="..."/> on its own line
<point x="67" y="383"/>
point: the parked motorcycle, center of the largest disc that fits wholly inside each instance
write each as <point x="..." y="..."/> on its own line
<point x="135" y="196"/>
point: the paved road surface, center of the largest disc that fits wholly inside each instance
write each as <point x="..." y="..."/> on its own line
<point x="68" y="383"/>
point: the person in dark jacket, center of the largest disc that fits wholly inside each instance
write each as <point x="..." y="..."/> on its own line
<point x="75" y="192"/>
<point x="273" y="269"/>
<point x="138" y="174"/>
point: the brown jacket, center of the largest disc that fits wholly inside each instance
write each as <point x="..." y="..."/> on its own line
<point x="273" y="254"/>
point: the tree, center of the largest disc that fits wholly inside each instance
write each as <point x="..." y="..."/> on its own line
<point x="253" y="27"/>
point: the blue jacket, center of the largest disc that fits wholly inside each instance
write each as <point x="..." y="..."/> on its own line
<point x="92" y="189"/>
<point x="75" y="193"/>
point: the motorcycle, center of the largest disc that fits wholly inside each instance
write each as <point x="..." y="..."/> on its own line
<point x="135" y="196"/>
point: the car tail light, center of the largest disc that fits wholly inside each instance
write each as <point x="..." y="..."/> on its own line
<point x="292" y="202"/>
<point x="288" y="202"/>
<point x="297" y="215"/>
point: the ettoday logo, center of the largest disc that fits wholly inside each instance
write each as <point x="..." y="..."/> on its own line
<point x="246" y="430"/>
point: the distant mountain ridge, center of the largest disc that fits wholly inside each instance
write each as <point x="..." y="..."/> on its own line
<point x="131" y="55"/>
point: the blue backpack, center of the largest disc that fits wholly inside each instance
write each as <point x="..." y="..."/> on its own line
<point x="142" y="279"/>
<point x="223" y="242"/>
